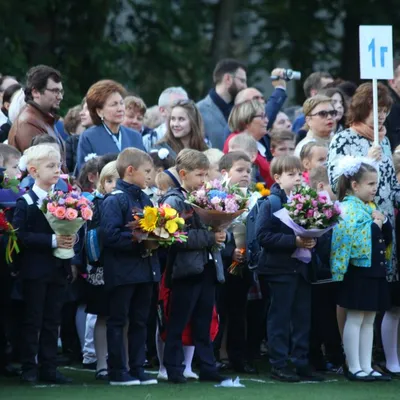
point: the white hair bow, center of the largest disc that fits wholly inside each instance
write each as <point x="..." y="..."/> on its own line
<point x="349" y="165"/>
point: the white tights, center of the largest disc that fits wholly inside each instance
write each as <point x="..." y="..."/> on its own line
<point x="390" y="330"/>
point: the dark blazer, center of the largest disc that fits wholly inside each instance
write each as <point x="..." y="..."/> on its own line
<point x="71" y="152"/>
<point x="123" y="261"/>
<point x="97" y="140"/>
<point x="278" y="242"/>
<point x="393" y="121"/>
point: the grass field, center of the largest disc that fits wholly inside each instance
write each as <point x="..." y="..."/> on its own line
<point x="259" y="387"/>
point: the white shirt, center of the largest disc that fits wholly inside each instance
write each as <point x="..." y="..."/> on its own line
<point x="3" y="118"/>
<point x="261" y="149"/>
<point x="150" y="140"/>
<point x="42" y="194"/>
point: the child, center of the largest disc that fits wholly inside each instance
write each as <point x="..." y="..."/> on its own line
<point x="358" y="261"/>
<point x="166" y="180"/>
<point x="194" y="269"/>
<point x="43" y="275"/>
<point x="11" y="157"/>
<point x="286" y="278"/>
<point x="130" y="270"/>
<point x="282" y="143"/>
<point x="89" y="175"/>
<point x="214" y="156"/>
<point x="237" y="167"/>
<point x="313" y="155"/>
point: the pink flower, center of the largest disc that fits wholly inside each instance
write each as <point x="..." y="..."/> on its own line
<point x="59" y="212"/>
<point x="314" y="203"/>
<point x="87" y="213"/>
<point x="322" y="198"/>
<point x="51" y="207"/>
<point x="310" y="213"/>
<point x="82" y="202"/>
<point x="71" y="214"/>
<point x="70" y="201"/>
<point x="299" y="206"/>
<point x="328" y="213"/>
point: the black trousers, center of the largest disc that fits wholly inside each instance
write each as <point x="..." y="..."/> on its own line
<point x="128" y="303"/>
<point x="289" y="319"/>
<point x="42" y="316"/>
<point x="191" y="300"/>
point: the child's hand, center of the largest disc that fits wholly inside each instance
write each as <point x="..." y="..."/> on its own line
<point x="220" y="237"/>
<point x="378" y="215"/>
<point x="65" y="241"/>
<point x="238" y="256"/>
<point x="305" y="243"/>
<point x="379" y="222"/>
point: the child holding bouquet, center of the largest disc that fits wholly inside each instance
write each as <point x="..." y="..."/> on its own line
<point x="360" y="257"/>
<point x="194" y="270"/>
<point x="286" y="279"/>
<point x="130" y="270"/>
<point x="43" y="275"/>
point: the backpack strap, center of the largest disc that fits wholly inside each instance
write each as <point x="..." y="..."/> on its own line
<point x="123" y="204"/>
<point x="275" y="203"/>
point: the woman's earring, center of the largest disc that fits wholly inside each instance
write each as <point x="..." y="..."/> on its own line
<point x="102" y="118"/>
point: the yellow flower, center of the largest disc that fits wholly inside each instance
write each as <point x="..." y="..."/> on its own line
<point x="170" y="213"/>
<point x="260" y="186"/>
<point x="265" y="192"/>
<point x="171" y="226"/>
<point x="180" y="222"/>
<point x="150" y="219"/>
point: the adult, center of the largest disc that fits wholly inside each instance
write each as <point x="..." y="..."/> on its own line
<point x="282" y="123"/>
<point x="105" y="101"/>
<point x="230" y="77"/>
<point x="339" y="104"/>
<point x="5" y="82"/>
<point x="184" y="130"/>
<point x="393" y="119"/>
<point x="7" y="98"/>
<point x="312" y="85"/>
<point x="166" y="100"/>
<point x="43" y="95"/>
<point x="320" y="121"/>
<point x="249" y="118"/>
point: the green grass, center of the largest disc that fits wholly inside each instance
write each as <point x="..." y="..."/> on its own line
<point x="85" y="388"/>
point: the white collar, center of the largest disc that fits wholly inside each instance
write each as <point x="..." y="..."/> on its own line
<point x="40" y="193"/>
<point x="261" y="149"/>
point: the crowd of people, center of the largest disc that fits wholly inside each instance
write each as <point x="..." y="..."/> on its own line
<point x="136" y="306"/>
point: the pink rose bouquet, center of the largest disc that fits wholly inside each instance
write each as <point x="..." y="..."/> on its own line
<point x="66" y="213"/>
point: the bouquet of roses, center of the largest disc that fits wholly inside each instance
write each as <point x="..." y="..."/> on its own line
<point x="218" y="204"/>
<point x="7" y="229"/>
<point x="309" y="214"/>
<point x="66" y="213"/>
<point x="162" y="224"/>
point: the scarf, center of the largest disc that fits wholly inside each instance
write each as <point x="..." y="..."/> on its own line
<point x="351" y="238"/>
<point x="225" y="108"/>
<point x="367" y="131"/>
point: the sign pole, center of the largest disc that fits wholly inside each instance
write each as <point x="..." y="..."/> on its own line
<point x="375" y="110"/>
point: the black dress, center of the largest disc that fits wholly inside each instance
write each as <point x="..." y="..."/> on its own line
<point x="366" y="289"/>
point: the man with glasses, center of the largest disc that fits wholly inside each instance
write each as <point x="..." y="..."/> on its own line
<point x="43" y="95"/>
<point x="230" y="77"/>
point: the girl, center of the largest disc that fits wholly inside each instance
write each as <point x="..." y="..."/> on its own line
<point x="359" y="258"/>
<point x="185" y="129"/>
<point x="313" y="155"/>
<point x="97" y="303"/>
<point x="89" y="175"/>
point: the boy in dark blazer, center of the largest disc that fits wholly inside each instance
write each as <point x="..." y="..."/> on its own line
<point x="130" y="270"/>
<point x="43" y="276"/>
<point x="287" y="279"/>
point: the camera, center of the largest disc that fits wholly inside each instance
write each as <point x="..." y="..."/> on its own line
<point x="288" y="75"/>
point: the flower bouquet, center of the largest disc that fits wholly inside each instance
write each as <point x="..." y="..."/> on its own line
<point x="66" y="213"/>
<point x="7" y="229"/>
<point x="162" y="224"/>
<point x="309" y="214"/>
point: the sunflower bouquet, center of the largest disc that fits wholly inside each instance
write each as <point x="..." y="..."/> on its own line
<point x="162" y="224"/>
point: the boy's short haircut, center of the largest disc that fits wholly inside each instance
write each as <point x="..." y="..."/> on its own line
<point x="131" y="157"/>
<point x="317" y="175"/>
<point x="135" y="104"/>
<point x="105" y="159"/>
<point x="280" y="137"/>
<point x="7" y="152"/>
<point x="44" y="139"/>
<point x="35" y="154"/>
<point x="189" y="160"/>
<point x="307" y="149"/>
<point x="108" y="171"/>
<point x="213" y="155"/>
<point x="227" y="161"/>
<point x="282" y="164"/>
<point x="244" y="142"/>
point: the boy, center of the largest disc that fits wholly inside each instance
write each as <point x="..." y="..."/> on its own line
<point x="282" y="143"/>
<point x="213" y="155"/>
<point x="319" y="181"/>
<point x="10" y="156"/>
<point x="286" y="278"/>
<point x="43" y="276"/>
<point x="194" y="269"/>
<point x="130" y="270"/>
<point x="236" y="166"/>
<point x="313" y="155"/>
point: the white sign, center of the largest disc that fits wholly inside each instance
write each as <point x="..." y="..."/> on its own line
<point x="376" y="52"/>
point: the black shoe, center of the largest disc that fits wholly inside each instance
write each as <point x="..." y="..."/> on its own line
<point x="244" y="368"/>
<point x="307" y="374"/>
<point x="223" y="366"/>
<point x="29" y="377"/>
<point x="10" y="372"/>
<point x="356" y="378"/>
<point x="92" y="366"/>
<point x="54" y="377"/>
<point x="145" y="379"/>
<point x="211" y="377"/>
<point x="381" y="377"/>
<point x="179" y="379"/>
<point x="284" y="375"/>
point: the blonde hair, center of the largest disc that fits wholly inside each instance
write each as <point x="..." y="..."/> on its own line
<point x="317" y="175"/>
<point x="213" y="155"/>
<point x="242" y="114"/>
<point x="244" y="142"/>
<point x="307" y="149"/>
<point x="190" y="160"/>
<point x="36" y="154"/>
<point x="134" y="103"/>
<point x="312" y="102"/>
<point x="109" y="171"/>
<point x="131" y="157"/>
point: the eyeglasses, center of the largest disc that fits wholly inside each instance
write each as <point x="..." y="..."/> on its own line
<point x="56" y="91"/>
<point x="324" y="114"/>
<point x="262" y="116"/>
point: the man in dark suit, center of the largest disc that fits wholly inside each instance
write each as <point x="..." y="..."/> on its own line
<point x="393" y="119"/>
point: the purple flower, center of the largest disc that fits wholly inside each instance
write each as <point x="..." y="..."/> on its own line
<point x="299" y="206"/>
